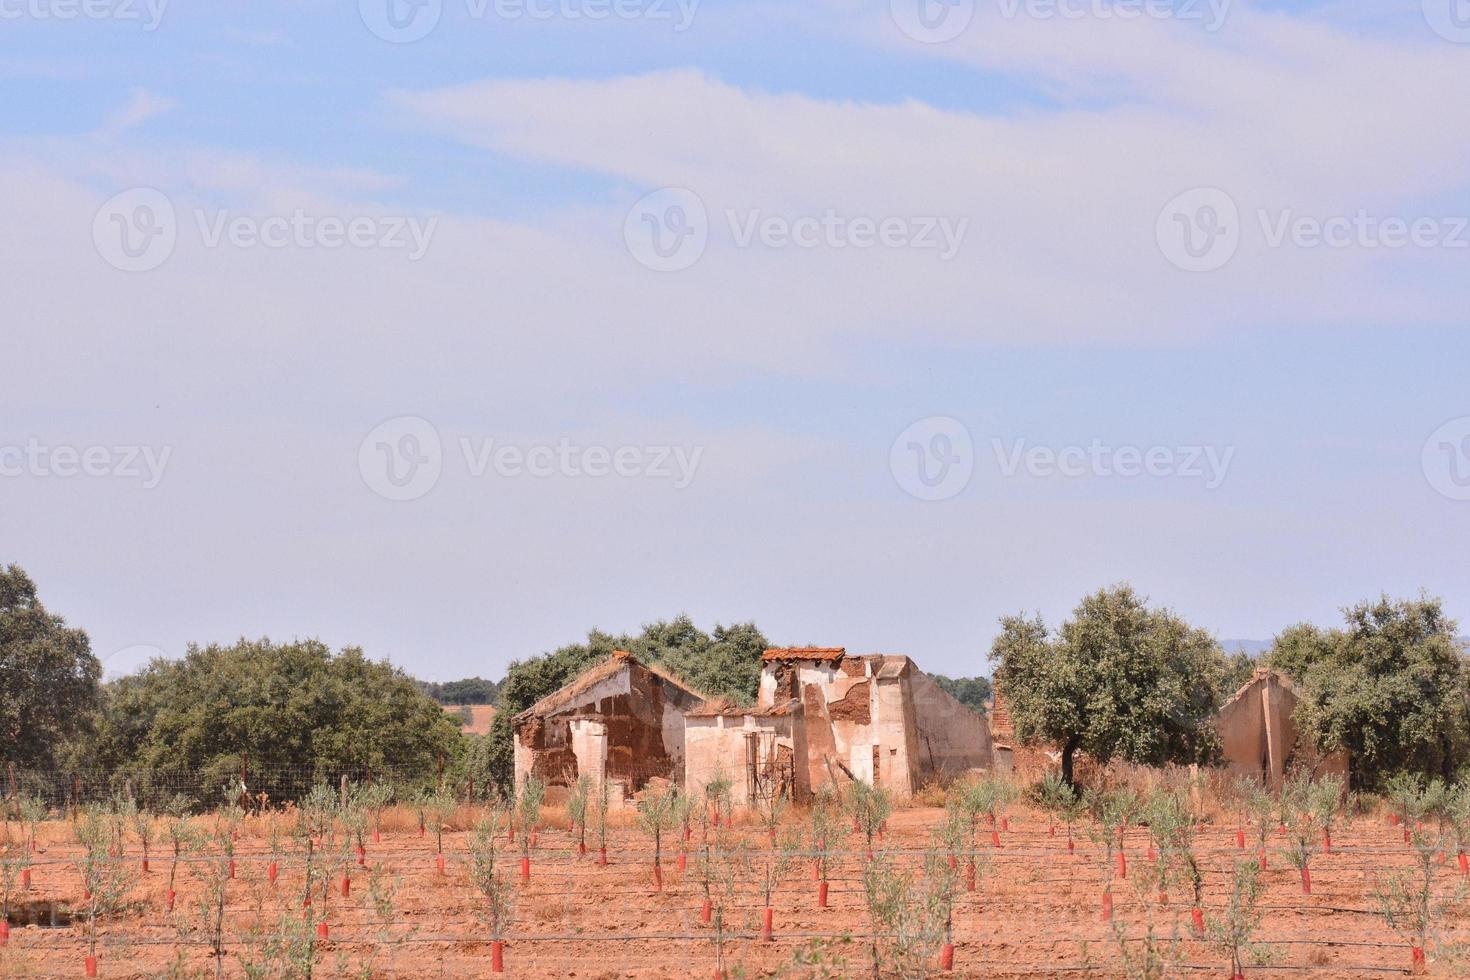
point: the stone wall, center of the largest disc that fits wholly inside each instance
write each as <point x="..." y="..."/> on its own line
<point x="720" y="745"/>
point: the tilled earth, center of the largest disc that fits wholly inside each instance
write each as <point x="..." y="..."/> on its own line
<point x="1036" y="910"/>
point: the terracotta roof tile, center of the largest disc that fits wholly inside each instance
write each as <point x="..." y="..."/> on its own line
<point x="804" y="653"/>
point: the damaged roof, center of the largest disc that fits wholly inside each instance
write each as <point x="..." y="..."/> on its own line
<point x="592" y="676"/>
<point x="804" y="653"/>
<point x="1257" y="676"/>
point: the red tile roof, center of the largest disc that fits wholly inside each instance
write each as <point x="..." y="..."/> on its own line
<point x="804" y="653"/>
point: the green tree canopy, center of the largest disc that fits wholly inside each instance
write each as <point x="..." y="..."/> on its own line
<point x="1240" y="666"/>
<point x="48" y="676"/>
<point x="972" y="692"/>
<point x="298" y="711"/>
<point x="468" y="690"/>
<point x="725" y="662"/>
<point x="1118" y="680"/>
<point x="1390" y="687"/>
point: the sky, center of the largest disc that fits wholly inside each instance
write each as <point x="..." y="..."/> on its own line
<point x="453" y="329"/>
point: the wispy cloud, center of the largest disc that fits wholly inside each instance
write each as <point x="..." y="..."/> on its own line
<point x="142" y="105"/>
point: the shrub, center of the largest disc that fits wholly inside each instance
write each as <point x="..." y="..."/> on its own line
<point x="909" y="914"/>
<point x="655" y="816"/>
<point x="528" y="806"/>
<point x="824" y="825"/>
<point x="105" y="881"/>
<point x="870" y="807"/>
<point x="1062" y="801"/>
<point x="1406" y="900"/>
<point x="1232" y="930"/>
<point x="489" y="878"/>
<point x="577" y="801"/>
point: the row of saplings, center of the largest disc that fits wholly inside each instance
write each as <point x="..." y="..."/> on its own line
<point x="1416" y="901"/>
<point x="910" y="905"/>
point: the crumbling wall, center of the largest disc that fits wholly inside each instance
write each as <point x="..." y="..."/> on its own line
<point x="709" y="752"/>
<point x="717" y="745"/>
<point x="854" y="705"/>
<point x="837" y="708"/>
<point x="892" y="736"/>
<point x="951" y="738"/>
<point x="821" y="747"/>
<point x="881" y="720"/>
<point x="550" y="744"/>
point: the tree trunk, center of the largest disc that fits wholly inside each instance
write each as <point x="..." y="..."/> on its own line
<point x="1069" y="750"/>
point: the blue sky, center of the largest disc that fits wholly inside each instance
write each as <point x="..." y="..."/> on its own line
<point x="803" y="383"/>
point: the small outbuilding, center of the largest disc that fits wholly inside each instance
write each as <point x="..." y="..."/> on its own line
<point x="1259" y="738"/>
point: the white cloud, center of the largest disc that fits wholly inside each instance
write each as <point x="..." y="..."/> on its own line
<point x="141" y="106"/>
<point x="1063" y="201"/>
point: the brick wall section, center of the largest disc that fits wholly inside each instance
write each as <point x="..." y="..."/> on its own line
<point x="1002" y="732"/>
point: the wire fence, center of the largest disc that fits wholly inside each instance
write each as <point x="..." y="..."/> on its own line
<point x="241" y="779"/>
<point x="232" y="780"/>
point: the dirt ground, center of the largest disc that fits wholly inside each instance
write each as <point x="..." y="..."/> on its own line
<point x="1035" y="911"/>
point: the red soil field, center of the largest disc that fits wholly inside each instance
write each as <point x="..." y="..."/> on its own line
<point x="1036" y="910"/>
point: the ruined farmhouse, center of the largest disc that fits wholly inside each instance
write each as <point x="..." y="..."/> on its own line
<point x="821" y="717"/>
<point x="622" y="720"/>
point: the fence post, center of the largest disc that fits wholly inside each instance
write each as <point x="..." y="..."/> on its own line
<point x="342" y="784"/>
